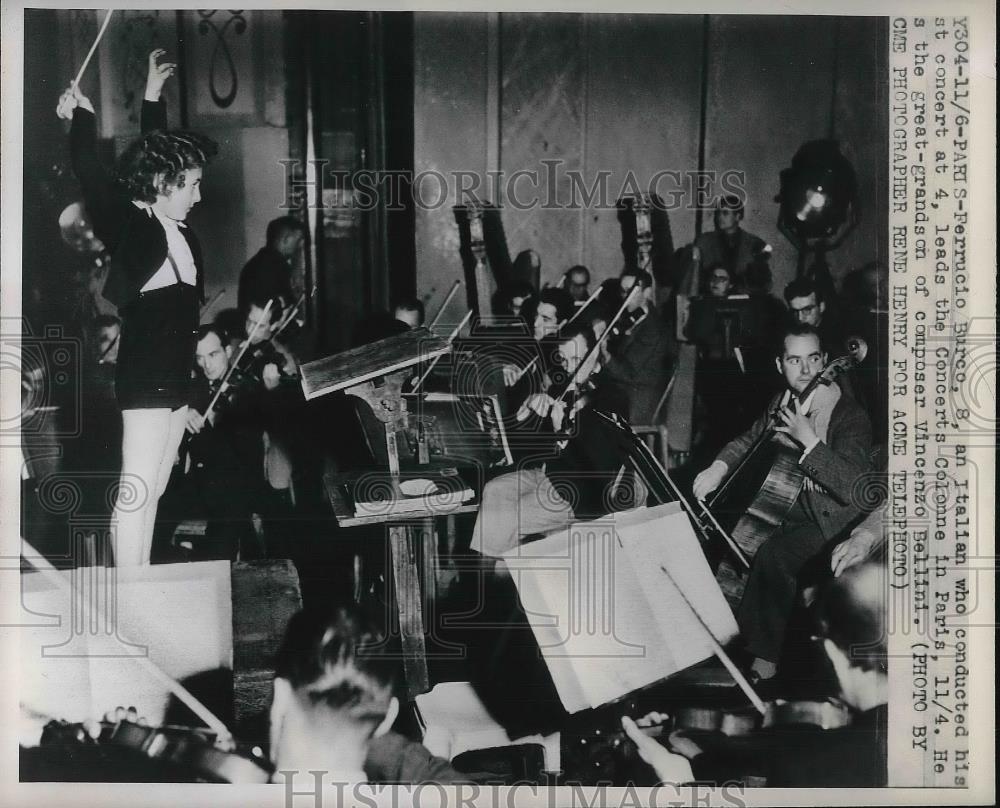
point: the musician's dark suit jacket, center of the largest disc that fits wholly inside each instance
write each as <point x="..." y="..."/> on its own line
<point x="835" y="464"/>
<point x="639" y="368"/>
<point x="158" y="332"/>
<point x="817" y="516"/>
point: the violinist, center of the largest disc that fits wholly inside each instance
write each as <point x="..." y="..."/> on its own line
<point x="825" y="444"/>
<point x="524" y="360"/>
<point x="270" y="357"/>
<point x="222" y="479"/>
<point x="851" y="620"/>
<point x="635" y="357"/>
<point x="570" y="471"/>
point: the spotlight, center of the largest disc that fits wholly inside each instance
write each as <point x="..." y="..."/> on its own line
<point x="818" y="198"/>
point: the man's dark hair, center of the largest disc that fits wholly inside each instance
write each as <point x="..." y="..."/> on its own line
<point x="730" y="202"/>
<point x="576" y="329"/>
<point x="213" y="328"/>
<point x="164" y="154"/>
<point x="796" y="330"/>
<point x="337" y="661"/>
<point x="278" y="228"/>
<point x="578" y="268"/>
<point x="803" y="287"/>
<point x="642" y="278"/>
<point x="851" y="612"/>
<point x="411" y="304"/>
<point x="559" y="298"/>
<point x="260" y="301"/>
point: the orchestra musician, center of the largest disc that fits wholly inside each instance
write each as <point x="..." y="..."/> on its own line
<point x="274" y="362"/>
<point x="268" y="275"/>
<point x="827" y="443"/>
<point x="571" y="471"/>
<point x="223" y="480"/>
<point x="635" y="364"/>
<point x="410" y="312"/>
<point x="334" y="692"/>
<point x="729" y="245"/>
<point x="852" y="630"/>
<point x="156" y="282"/>
<point x="553" y="308"/>
<point x="576" y="281"/>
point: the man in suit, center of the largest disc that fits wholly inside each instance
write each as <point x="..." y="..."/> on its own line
<point x="851" y="625"/>
<point x="269" y="273"/>
<point x="829" y="437"/>
<point x="729" y="245"/>
<point x="635" y="365"/>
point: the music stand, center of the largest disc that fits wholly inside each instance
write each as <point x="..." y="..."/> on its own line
<point x="727" y="322"/>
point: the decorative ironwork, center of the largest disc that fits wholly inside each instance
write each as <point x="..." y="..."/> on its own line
<point x="220" y="53"/>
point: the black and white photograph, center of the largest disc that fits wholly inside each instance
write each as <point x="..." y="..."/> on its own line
<point x="570" y="405"/>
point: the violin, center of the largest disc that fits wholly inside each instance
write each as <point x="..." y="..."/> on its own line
<point x="624" y="327"/>
<point x="192" y="748"/>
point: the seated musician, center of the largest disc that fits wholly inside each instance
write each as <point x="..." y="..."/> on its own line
<point x="554" y="307"/>
<point x="563" y="477"/>
<point x="851" y="626"/>
<point x="824" y="445"/>
<point x="577" y="283"/>
<point x="223" y="480"/>
<point x="334" y="691"/>
<point x="277" y="366"/>
<point x="334" y="705"/>
<point x="410" y="312"/>
<point x="635" y="363"/>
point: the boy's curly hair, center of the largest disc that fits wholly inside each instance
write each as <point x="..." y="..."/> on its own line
<point x="168" y="154"/>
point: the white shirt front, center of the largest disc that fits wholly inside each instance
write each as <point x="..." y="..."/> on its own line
<point x="177" y="247"/>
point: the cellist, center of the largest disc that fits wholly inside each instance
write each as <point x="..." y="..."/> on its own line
<point x="825" y="444"/>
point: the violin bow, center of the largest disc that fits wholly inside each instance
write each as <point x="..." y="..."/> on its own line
<point x="51" y="574"/>
<point x="444" y="305"/>
<point x="719" y="651"/>
<point x="211" y="303"/>
<point x="589" y="300"/>
<point x="451" y="338"/>
<point x="234" y="365"/>
<point x="575" y="380"/>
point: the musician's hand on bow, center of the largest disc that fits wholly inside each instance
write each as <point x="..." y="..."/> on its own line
<point x="195" y="421"/>
<point x="271" y="376"/>
<point x="710" y="479"/>
<point x="511" y="373"/>
<point x="558" y="413"/>
<point x="157" y="74"/>
<point x="70" y="100"/>
<point x="538" y="403"/>
<point x="669" y="767"/>
<point x="796" y="426"/>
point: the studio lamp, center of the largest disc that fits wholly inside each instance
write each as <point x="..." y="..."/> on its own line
<point x="818" y="199"/>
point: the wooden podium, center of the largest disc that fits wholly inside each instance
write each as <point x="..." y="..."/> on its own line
<point x="375" y="374"/>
